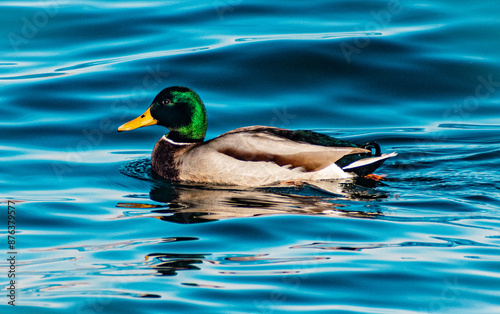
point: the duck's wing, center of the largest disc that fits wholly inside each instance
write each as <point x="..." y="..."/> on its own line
<point x="304" y="136"/>
<point x="283" y="147"/>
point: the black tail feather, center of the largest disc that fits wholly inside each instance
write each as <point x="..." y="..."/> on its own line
<point x="371" y="147"/>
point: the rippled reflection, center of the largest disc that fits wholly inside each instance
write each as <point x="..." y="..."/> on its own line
<point x="168" y="264"/>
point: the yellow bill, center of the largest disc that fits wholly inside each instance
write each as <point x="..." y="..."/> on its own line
<point x="143" y="120"/>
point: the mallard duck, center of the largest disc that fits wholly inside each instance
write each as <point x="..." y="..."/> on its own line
<point x="248" y="156"/>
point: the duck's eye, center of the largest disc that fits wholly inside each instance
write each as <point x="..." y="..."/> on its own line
<point x="165" y="101"/>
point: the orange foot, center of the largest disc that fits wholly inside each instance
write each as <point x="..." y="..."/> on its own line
<point x="292" y="182"/>
<point x="375" y="177"/>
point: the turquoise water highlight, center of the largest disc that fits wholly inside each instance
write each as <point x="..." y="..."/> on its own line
<point x="97" y="233"/>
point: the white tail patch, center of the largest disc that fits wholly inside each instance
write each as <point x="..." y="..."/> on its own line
<point x="367" y="161"/>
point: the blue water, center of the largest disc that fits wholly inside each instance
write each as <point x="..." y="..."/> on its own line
<point x="97" y="233"/>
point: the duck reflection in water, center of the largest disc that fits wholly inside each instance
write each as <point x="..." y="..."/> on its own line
<point x="168" y="264"/>
<point x="189" y="203"/>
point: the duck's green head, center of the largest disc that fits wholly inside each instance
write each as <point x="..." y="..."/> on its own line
<point x="177" y="108"/>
